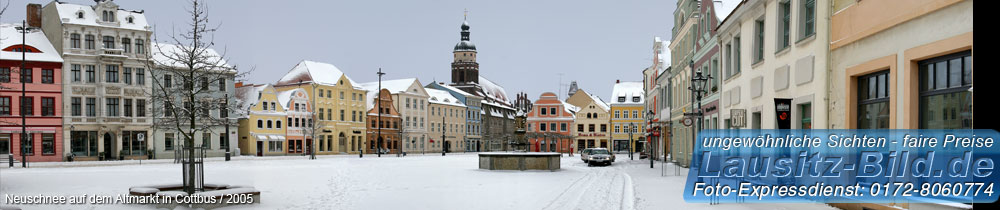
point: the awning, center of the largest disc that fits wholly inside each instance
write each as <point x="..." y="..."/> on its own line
<point x="261" y="137"/>
<point x="277" y="138"/>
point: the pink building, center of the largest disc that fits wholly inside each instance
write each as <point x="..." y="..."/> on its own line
<point x="41" y="105"/>
<point x="549" y="123"/>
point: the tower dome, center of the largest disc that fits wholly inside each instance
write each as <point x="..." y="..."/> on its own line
<point x="465" y="44"/>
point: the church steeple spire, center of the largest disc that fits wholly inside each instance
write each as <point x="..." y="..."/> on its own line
<point x="465" y="69"/>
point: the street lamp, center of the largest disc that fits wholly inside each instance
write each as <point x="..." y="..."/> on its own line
<point x="697" y="88"/>
<point x="631" y="128"/>
<point x="24" y="122"/>
<point x="378" y="101"/>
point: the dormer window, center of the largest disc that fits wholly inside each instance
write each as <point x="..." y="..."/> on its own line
<point x="635" y="99"/>
<point x="108" y="16"/>
<point x="621" y="99"/>
<point x="130" y="19"/>
<point x="79" y="15"/>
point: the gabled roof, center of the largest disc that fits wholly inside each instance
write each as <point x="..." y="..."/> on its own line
<point x="724" y="7"/>
<point x="456" y="90"/>
<point x="627" y="90"/>
<point x="394" y="86"/>
<point x="285" y="97"/>
<point x="312" y="71"/>
<point x="600" y="103"/>
<point x="68" y="15"/>
<point x="11" y="36"/>
<point x="248" y="96"/>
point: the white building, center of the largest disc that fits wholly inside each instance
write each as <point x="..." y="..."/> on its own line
<point x="411" y="101"/>
<point x="775" y="49"/>
<point x="105" y="50"/>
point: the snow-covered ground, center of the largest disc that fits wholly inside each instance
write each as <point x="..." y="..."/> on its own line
<point x="413" y="182"/>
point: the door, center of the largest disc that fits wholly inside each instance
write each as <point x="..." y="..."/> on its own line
<point x="4" y="144"/>
<point x="309" y="146"/>
<point x="108" y="145"/>
<point x="342" y="142"/>
<point x="260" y="148"/>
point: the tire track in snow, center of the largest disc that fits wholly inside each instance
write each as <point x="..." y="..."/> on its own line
<point x="598" y="188"/>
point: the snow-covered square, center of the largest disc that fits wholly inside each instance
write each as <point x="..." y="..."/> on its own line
<point x="429" y="181"/>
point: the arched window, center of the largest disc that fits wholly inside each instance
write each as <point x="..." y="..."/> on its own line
<point x="269" y="124"/>
<point x="279" y="124"/>
<point x="260" y="123"/>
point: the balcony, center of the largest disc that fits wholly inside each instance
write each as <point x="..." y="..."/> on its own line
<point x="113" y="55"/>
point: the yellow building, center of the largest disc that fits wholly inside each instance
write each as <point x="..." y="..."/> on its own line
<point x="592" y="121"/>
<point x="627" y="117"/>
<point x="446" y="122"/>
<point x="261" y="121"/>
<point x="339" y="105"/>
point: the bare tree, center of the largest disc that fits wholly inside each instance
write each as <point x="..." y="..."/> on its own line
<point x="186" y="85"/>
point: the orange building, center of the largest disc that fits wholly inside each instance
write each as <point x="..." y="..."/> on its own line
<point x="383" y="122"/>
<point x="549" y="123"/>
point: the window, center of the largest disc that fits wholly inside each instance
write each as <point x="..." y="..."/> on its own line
<point x="617" y="129"/>
<point x="75" y="72"/>
<point x="204" y="83"/>
<point x="635" y="98"/>
<point x="807" y="18"/>
<point x="168" y="141"/>
<point x="541" y="127"/>
<point x="29" y="143"/>
<point x="91" y="73"/>
<point x="341" y="94"/>
<point x="5" y="106"/>
<point x="736" y="55"/>
<point x="76" y="106"/>
<point x="168" y="110"/>
<point x="5" y="74"/>
<point x="109" y="42"/>
<point x="552" y="127"/>
<point x="128" y="108"/>
<point x="543" y="111"/>
<point x="127" y="45"/>
<point x="74" y="41"/>
<point x="222" y="84"/>
<point x="873" y="101"/>
<point x="341" y="115"/>
<point x="48" y="106"/>
<point x="553" y="111"/>
<point x="89" y="42"/>
<point x="758" y="40"/>
<point x="784" y="24"/>
<point x="562" y="127"/>
<point x="635" y="114"/>
<point x="278" y="124"/>
<point x="111" y="73"/>
<point x="140" y="76"/>
<point x="806" y="121"/>
<point x="83" y="143"/>
<point x="206" y="140"/>
<point x="48" y="76"/>
<point x="945" y="99"/>
<point x="48" y="143"/>
<point x="270" y="124"/>
<point x="140" y="46"/>
<point x="320" y="114"/>
<point x="26" y="75"/>
<point x="260" y="123"/>
<point x="91" y="107"/>
<point x="223" y="141"/>
<point x="112" y="106"/>
<point x="127" y="75"/>
<point x="617" y="114"/>
<point x="621" y="99"/>
<point x="140" y="107"/>
<point x="27" y="104"/>
<point x="168" y="82"/>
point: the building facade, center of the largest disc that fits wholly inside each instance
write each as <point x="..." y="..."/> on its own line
<point x="338" y="102"/>
<point x="591" y="122"/>
<point x="654" y="95"/>
<point x="447" y="121"/>
<point x="410" y="98"/>
<point x="300" y="130"/>
<point x="383" y="123"/>
<point x="627" y="117"/>
<point x="261" y="128"/>
<point x="167" y="80"/>
<point x="550" y="125"/>
<point x="473" y="115"/>
<point x="106" y="50"/>
<point x="39" y="104"/>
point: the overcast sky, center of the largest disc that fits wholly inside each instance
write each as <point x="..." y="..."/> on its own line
<point x="524" y="45"/>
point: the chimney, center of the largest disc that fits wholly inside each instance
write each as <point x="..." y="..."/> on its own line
<point x="34" y="14"/>
<point x="618" y="81"/>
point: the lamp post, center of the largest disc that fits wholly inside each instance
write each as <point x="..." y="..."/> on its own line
<point x="24" y="121"/>
<point x="378" y="101"/>
<point x="226" y="105"/>
<point x="442" y="135"/>
<point x="631" y="128"/>
<point x="697" y="88"/>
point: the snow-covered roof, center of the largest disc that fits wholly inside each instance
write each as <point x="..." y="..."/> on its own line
<point x="494" y="91"/>
<point x="664" y="56"/>
<point x="34" y="38"/>
<point x="247" y="96"/>
<point x="627" y="90"/>
<point x="724" y="7"/>
<point x="570" y="108"/>
<point x="68" y="15"/>
<point x="285" y="97"/>
<point x="600" y="103"/>
<point x="443" y="97"/>
<point x="168" y="54"/>
<point x="394" y="86"/>
<point x="454" y="89"/>
<point x="312" y="71"/>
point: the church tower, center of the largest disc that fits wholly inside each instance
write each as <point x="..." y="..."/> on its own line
<point x="465" y="69"/>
